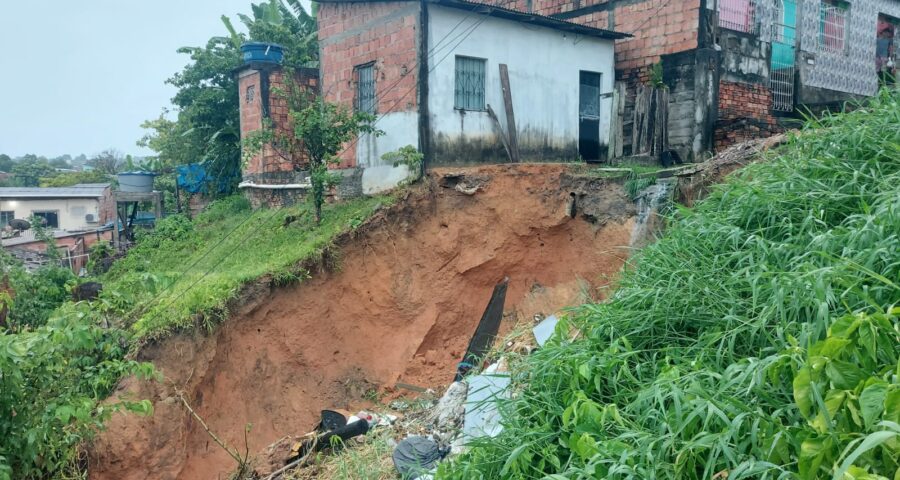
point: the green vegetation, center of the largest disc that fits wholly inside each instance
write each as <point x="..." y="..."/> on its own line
<point x="320" y="132"/>
<point x="206" y="126"/>
<point x="757" y="339"/>
<point x="185" y="272"/>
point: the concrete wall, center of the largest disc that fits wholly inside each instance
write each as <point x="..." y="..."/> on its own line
<point x="71" y="211"/>
<point x="544" y="67"/>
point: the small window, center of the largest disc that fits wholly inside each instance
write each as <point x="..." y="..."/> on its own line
<point x="51" y="218"/>
<point x="469" y="91"/>
<point x="739" y="15"/>
<point x="365" y="88"/>
<point x="6" y="217"/>
<point x="834" y="18"/>
<point x="251" y="94"/>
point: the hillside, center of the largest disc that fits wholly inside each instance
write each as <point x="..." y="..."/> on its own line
<point x="759" y="338"/>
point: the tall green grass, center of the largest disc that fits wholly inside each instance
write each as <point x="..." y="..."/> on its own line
<point x="757" y="339"/>
<point x="186" y="272"/>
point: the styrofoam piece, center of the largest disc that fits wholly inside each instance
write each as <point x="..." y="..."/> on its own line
<point x="544" y="330"/>
<point x="482" y="417"/>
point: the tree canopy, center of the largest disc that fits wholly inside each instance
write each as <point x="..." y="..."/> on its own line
<point x="206" y="127"/>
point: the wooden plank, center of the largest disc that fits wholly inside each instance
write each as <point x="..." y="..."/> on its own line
<point x="499" y="127"/>
<point x="510" y="114"/>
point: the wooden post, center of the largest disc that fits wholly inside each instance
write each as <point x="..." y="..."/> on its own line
<point x="510" y="115"/>
<point x="503" y="138"/>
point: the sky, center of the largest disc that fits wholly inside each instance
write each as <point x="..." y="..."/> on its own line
<point x="79" y="76"/>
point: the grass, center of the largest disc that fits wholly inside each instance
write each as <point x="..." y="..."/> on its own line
<point x="757" y="339"/>
<point x="187" y="271"/>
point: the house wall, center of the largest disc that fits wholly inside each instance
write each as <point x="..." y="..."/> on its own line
<point x="543" y="66"/>
<point x="388" y="34"/>
<point x="71" y="214"/>
<point x="262" y="91"/>
<point x="852" y="72"/>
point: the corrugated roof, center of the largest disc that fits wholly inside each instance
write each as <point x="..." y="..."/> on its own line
<point x="82" y="190"/>
<point x="515" y="15"/>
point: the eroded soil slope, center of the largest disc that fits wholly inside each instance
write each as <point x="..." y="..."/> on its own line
<point x="401" y="306"/>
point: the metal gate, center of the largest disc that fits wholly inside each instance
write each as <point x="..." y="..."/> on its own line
<point x="784" y="52"/>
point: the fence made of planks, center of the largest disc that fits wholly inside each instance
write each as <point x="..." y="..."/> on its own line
<point x="650" y="131"/>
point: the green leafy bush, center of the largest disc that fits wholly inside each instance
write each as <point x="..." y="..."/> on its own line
<point x="757" y="339"/>
<point x="51" y="380"/>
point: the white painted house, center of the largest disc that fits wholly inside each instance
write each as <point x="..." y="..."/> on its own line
<point x="75" y="208"/>
<point x="431" y="73"/>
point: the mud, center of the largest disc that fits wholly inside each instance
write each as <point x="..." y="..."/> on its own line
<point x="400" y="306"/>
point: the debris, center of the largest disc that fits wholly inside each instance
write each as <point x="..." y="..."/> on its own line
<point x="87" y="291"/>
<point x="321" y="442"/>
<point x="331" y="420"/>
<point x="448" y="413"/>
<point x="544" y="330"/>
<point x="466" y="190"/>
<point x="486" y="332"/>
<point x="482" y="418"/>
<point x="415" y="456"/>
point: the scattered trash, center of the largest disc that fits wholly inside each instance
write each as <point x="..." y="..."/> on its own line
<point x="373" y="419"/>
<point x="416" y="456"/>
<point x="544" y="330"/>
<point x="486" y="332"/>
<point x="482" y="418"/>
<point x="321" y="442"/>
<point x="331" y="420"/>
<point x="448" y="414"/>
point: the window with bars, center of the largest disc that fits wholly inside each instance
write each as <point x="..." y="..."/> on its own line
<point x="469" y="91"/>
<point x="833" y="22"/>
<point x="5" y="218"/>
<point x="739" y="15"/>
<point x="365" y="88"/>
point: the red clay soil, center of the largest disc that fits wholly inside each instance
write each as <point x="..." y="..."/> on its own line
<point x="409" y="291"/>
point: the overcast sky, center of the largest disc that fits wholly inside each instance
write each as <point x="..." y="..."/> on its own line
<point x="79" y="76"/>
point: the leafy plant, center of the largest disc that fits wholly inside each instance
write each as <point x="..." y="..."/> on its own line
<point x="757" y="339"/>
<point x="320" y="130"/>
<point x="409" y="156"/>
<point x="51" y="382"/>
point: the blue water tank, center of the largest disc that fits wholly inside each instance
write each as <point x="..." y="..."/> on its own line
<point x="262" y="52"/>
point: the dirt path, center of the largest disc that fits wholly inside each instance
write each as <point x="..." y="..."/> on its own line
<point x="408" y="293"/>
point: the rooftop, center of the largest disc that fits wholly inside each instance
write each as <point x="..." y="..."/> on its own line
<point x="82" y="190"/>
<point x="515" y="15"/>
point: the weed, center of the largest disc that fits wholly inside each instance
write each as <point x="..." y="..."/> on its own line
<point x="756" y="339"/>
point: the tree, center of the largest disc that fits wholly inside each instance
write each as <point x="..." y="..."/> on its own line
<point x="73" y="178"/>
<point x="29" y="171"/>
<point x="320" y="131"/>
<point x="206" y="127"/>
<point x="108" y="161"/>
<point x="6" y="163"/>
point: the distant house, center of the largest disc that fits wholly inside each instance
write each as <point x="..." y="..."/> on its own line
<point x="80" y="207"/>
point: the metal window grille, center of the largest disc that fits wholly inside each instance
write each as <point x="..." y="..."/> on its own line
<point x="5" y="218"/>
<point x="251" y="94"/>
<point x="833" y="27"/>
<point x="781" y="78"/>
<point x="365" y="88"/>
<point x="739" y="15"/>
<point x="469" y="91"/>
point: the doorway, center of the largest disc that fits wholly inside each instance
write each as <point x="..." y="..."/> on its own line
<point x="589" y="117"/>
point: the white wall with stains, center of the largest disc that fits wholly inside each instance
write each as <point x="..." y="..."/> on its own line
<point x="544" y="66"/>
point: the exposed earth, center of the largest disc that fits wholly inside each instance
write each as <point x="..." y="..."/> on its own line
<point x="398" y="302"/>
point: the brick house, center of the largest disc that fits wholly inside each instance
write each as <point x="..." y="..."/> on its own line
<point x="736" y="69"/>
<point x="448" y="77"/>
<point x="433" y="73"/>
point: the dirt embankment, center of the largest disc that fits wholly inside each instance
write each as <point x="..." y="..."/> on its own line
<point x="410" y="289"/>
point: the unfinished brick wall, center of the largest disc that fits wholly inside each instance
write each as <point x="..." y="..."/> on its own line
<point x="354" y="34"/>
<point x="744" y="114"/>
<point x="253" y="93"/>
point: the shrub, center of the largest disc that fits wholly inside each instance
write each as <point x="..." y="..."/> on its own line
<point x="757" y="339"/>
<point x="51" y="380"/>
